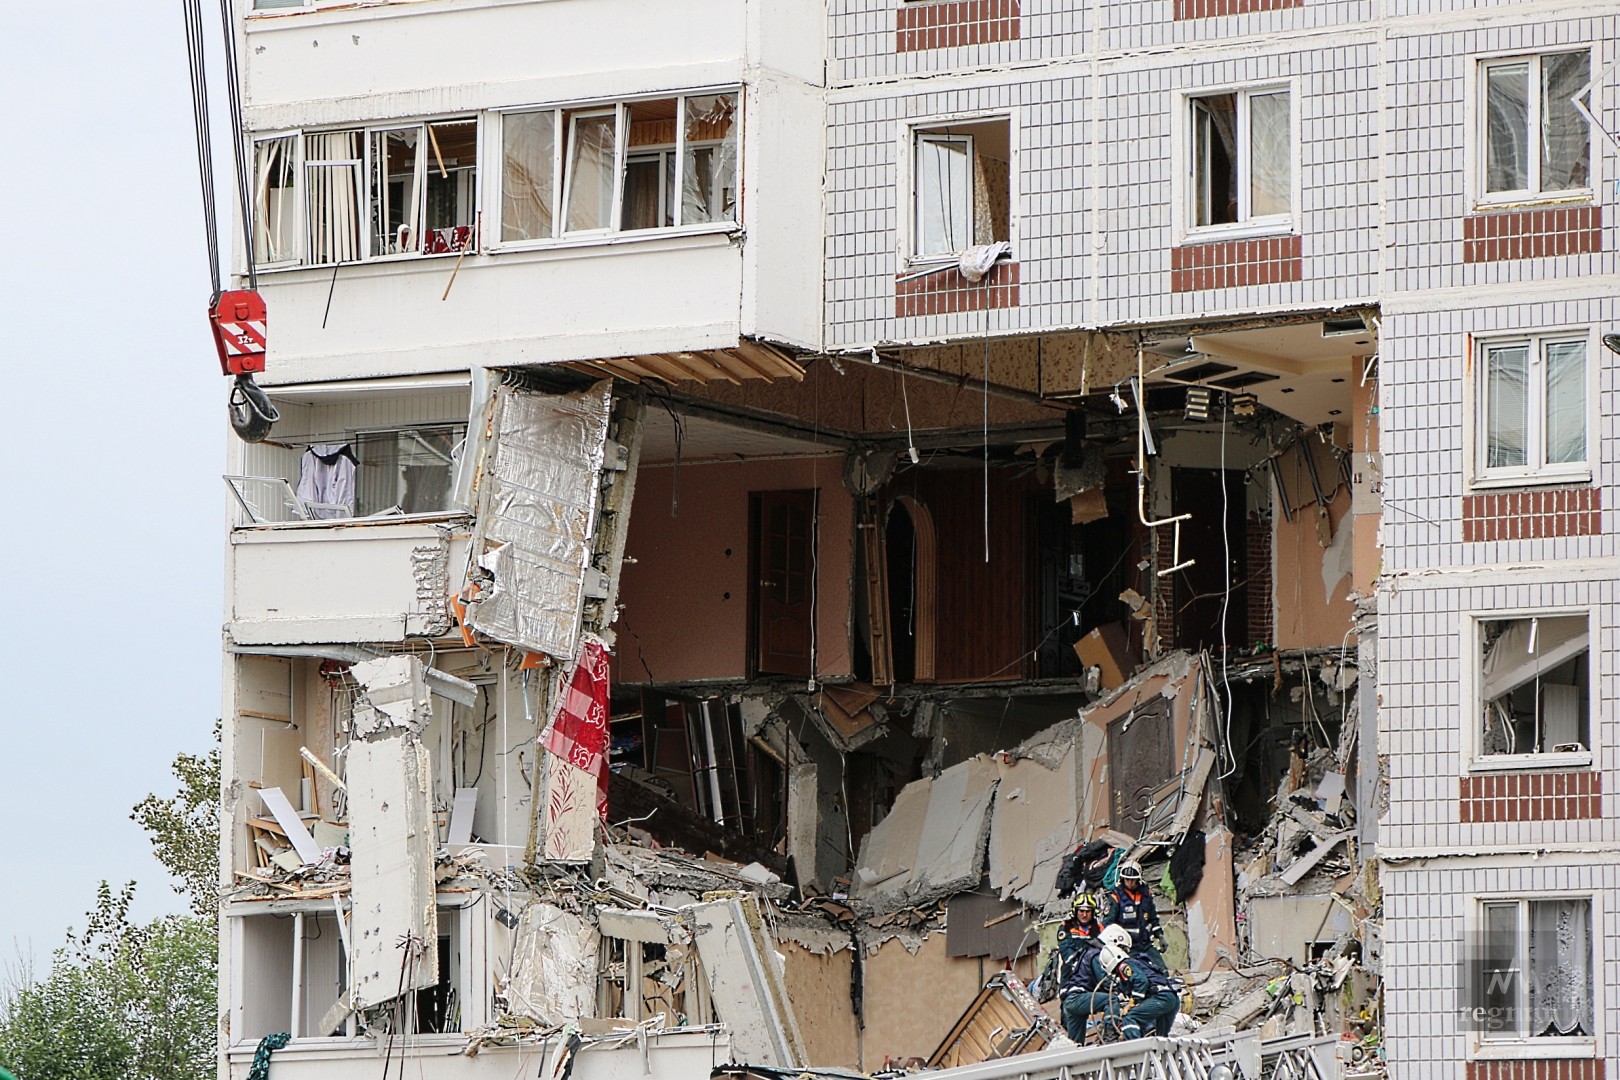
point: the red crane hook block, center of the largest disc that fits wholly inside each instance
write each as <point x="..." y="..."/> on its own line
<point x="238" y="319"/>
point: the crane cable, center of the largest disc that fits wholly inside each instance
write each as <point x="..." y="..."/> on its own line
<point x="251" y="410"/>
<point x="244" y="183"/>
<point x="202" y="133"/>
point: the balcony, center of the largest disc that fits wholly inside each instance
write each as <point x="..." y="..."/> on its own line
<point x="344" y="581"/>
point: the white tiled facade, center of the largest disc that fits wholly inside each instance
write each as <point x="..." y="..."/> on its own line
<point x="1384" y="99"/>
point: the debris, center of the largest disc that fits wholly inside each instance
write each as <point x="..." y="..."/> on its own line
<point x="1003" y="1021"/>
<point x="1107" y="648"/>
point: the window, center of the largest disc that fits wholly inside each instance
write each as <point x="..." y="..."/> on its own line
<point x="406" y="471"/>
<point x="1536" y="142"/>
<point x="1535" y="679"/>
<point x="962" y="177"/>
<point x="1533" y="408"/>
<point x="367" y="193"/>
<point x="1242" y="167"/>
<point x="629" y="167"/>
<point x="1531" y="973"/>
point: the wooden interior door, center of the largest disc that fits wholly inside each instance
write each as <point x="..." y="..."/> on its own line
<point x="785" y="583"/>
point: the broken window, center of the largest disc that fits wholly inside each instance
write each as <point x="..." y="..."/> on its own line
<point x="354" y="454"/>
<point x="1535" y="676"/>
<point x="406" y="471"/>
<point x="275" y="202"/>
<point x="1536" y="141"/>
<point x="1534" y="977"/>
<point x="1533" y="408"/>
<point x="639" y="980"/>
<point x="417" y="185"/>
<point x="1242" y="157"/>
<point x="961" y="187"/>
<point x="630" y="167"/>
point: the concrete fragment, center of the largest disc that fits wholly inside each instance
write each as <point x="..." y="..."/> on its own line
<point x="394" y="929"/>
<point x="747" y="982"/>
<point x="1303" y="865"/>
<point x="553" y="966"/>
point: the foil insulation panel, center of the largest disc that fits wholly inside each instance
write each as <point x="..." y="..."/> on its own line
<point x="537" y="515"/>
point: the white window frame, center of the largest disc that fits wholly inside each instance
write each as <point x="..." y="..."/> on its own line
<point x="300" y="239"/>
<point x="1536" y="471"/>
<point x="562" y="179"/>
<point x="1575" y="1048"/>
<point x="925" y="138"/>
<point x="1477" y="160"/>
<point x="1183" y="186"/>
<point x="1473" y="679"/>
<point x="906" y="153"/>
<point x="363" y="191"/>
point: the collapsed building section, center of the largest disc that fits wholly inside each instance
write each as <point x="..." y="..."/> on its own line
<point x="888" y="643"/>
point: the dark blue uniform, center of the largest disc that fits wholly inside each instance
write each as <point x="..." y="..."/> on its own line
<point x="1138" y="915"/>
<point x="1078" y="946"/>
<point x="1153" y="998"/>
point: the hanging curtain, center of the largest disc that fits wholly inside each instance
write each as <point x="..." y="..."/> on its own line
<point x="332" y="165"/>
<point x="273" y="200"/>
<point x="1561" y="968"/>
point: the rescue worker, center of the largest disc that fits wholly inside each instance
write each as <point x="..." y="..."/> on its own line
<point x="1131" y="906"/>
<point x="1079" y="939"/>
<point x="1143" y="1000"/>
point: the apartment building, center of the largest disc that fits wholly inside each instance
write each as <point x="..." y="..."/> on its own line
<point x="877" y="447"/>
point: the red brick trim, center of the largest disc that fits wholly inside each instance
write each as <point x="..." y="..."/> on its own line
<point x="1208" y="9"/>
<point x="1532" y="234"/>
<point x="1229" y="264"/>
<point x="1522" y="1069"/>
<point x="946" y="24"/>
<point x="1540" y="796"/>
<point x="1532" y="515"/>
<point x="946" y="291"/>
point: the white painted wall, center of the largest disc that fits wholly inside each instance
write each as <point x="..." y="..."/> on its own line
<point x="328" y="583"/>
<point x="782" y="191"/>
<point x="607" y="299"/>
<point x="672" y="1056"/>
<point x="471" y="51"/>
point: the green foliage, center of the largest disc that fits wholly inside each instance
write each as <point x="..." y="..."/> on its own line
<point x="121" y="1002"/>
<point x="133" y="1002"/>
<point x="184" y="829"/>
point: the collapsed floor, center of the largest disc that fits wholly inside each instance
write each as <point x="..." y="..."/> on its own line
<point x="837" y="728"/>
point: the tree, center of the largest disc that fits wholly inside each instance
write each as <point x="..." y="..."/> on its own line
<point x="184" y="828"/>
<point x="133" y="1002"/>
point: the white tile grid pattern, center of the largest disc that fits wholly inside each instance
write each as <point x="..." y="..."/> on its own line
<point x="862" y="46"/>
<point x="1425" y="915"/>
<point x="1424" y="367"/>
<point x="1426" y="185"/>
<point x="1338" y="215"/>
<point x="865" y="204"/>
<point x="1138" y="24"/>
<point x="1426" y="727"/>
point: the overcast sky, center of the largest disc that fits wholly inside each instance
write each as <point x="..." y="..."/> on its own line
<point x="112" y="410"/>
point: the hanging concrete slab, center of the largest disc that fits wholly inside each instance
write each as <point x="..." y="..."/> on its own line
<point x="747" y="982"/>
<point x="394" y="931"/>
<point x="949" y="817"/>
<point x="536" y="517"/>
<point x="1032" y="827"/>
